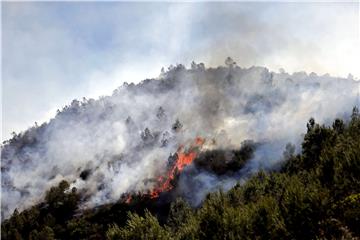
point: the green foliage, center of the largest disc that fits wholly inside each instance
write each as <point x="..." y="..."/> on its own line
<point x="80" y="228"/>
<point x="45" y="234"/>
<point x="138" y="227"/>
<point x="222" y="161"/>
<point x="349" y="210"/>
<point x="46" y="220"/>
<point x="303" y="206"/>
<point x="62" y="202"/>
<point x="314" y="141"/>
<point x="315" y="195"/>
<point x="179" y="214"/>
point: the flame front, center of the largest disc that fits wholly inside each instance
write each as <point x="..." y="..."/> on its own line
<point x="128" y="199"/>
<point x="183" y="159"/>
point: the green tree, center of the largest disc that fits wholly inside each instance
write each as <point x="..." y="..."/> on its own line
<point x="138" y="227"/>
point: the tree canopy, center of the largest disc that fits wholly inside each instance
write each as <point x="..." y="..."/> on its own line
<point x="314" y="195"/>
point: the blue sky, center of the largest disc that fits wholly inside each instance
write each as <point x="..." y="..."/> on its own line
<point x="55" y="52"/>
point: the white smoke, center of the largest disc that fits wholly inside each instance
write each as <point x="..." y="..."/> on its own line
<point x="125" y="139"/>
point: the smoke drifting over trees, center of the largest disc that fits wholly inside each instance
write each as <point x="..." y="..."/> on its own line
<point x="119" y="144"/>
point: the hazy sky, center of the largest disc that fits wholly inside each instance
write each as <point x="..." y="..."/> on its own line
<point x="55" y="52"/>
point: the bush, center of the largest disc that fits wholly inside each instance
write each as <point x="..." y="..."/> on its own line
<point x="138" y="227"/>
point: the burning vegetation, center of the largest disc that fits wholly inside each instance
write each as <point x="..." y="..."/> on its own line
<point x="313" y="194"/>
<point x="219" y="162"/>
<point x="195" y="154"/>
<point x="183" y="158"/>
<point x="176" y="164"/>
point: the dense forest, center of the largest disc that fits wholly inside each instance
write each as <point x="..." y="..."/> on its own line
<point x="310" y="195"/>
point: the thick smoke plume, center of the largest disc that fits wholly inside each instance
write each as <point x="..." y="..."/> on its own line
<point x="120" y="143"/>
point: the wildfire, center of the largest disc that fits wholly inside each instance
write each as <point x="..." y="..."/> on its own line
<point x="184" y="158"/>
<point x="128" y="199"/>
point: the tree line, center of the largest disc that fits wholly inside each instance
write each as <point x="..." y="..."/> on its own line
<point x="313" y="195"/>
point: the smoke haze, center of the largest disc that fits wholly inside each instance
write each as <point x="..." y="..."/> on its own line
<point x="114" y="145"/>
<point x="54" y="52"/>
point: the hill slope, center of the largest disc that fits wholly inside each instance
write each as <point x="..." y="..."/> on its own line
<point x="314" y="194"/>
<point x="217" y="126"/>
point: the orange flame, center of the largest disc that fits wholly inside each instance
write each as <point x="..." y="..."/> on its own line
<point x="128" y="199"/>
<point x="183" y="159"/>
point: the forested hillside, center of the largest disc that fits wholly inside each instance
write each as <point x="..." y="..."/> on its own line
<point x="311" y="195"/>
<point x="218" y="125"/>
